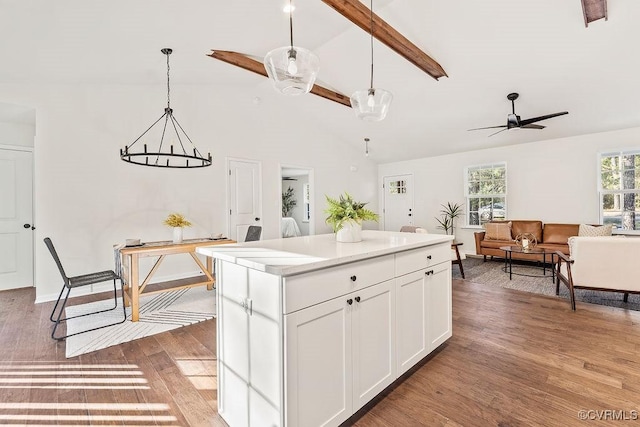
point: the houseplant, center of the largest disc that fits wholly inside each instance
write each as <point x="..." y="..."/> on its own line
<point x="346" y="217"/>
<point x="448" y="215"/>
<point x="288" y="202"/>
<point x="177" y="221"/>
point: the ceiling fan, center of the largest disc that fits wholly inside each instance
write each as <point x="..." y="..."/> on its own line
<point x="514" y="121"/>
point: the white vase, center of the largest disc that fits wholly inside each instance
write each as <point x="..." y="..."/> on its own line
<point x="350" y="232"/>
<point x="177" y="234"/>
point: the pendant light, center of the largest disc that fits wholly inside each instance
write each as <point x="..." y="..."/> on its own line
<point x="371" y="104"/>
<point x="167" y="156"/>
<point x="292" y="69"/>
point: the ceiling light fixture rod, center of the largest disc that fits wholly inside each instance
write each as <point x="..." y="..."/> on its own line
<point x="291" y="23"/>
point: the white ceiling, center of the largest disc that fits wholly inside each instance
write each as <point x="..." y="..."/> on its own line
<point x="540" y="49"/>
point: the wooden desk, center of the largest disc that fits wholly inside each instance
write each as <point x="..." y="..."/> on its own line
<point x="130" y="267"/>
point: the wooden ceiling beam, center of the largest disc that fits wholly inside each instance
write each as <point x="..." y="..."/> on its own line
<point x="244" y="61"/>
<point x="592" y="10"/>
<point x="359" y="14"/>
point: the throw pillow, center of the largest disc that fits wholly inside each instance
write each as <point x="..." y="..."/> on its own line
<point x="594" y="231"/>
<point x="498" y="230"/>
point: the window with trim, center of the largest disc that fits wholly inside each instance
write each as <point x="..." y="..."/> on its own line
<point x="486" y="193"/>
<point x="306" y="190"/>
<point x="620" y="189"/>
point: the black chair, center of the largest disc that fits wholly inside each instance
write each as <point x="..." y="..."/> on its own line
<point x="76" y="282"/>
<point x="253" y="233"/>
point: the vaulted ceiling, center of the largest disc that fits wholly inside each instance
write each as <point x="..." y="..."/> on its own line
<point x="541" y="49"/>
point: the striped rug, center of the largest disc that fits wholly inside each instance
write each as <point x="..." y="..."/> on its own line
<point x="158" y="313"/>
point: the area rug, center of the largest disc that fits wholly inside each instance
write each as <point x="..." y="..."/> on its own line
<point x="158" y="313"/>
<point x="491" y="273"/>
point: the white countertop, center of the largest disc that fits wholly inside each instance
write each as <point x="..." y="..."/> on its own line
<point x="286" y="257"/>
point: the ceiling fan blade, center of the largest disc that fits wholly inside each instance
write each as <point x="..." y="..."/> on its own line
<point x="505" y="128"/>
<point x="532" y="126"/>
<point x="490" y="127"/>
<point x="537" y="119"/>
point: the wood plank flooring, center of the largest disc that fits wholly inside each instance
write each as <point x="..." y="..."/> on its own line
<point x="515" y="359"/>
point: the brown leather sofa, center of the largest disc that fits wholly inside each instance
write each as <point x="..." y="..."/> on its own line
<point x="552" y="237"/>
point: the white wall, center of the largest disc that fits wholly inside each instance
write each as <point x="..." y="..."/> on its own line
<point x="87" y="199"/>
<point x="553" y="181"/>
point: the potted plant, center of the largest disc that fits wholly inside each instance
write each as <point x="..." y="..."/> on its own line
<point x="346" y="217"/>
<point x="288" y="202"/>
<point x="177" y="221"/>
<point x="448" y="214"/>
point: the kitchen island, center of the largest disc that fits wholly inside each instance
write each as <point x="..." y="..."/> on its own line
<point x="309" y="330"/>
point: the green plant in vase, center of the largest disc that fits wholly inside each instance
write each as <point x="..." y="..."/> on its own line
<point x="346" y="217"/>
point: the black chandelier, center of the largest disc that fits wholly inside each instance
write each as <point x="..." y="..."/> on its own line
<point x="169" y="157"/>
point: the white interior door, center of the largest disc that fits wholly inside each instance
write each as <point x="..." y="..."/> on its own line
<point x="16" y="219"/>
<point x="398" y="201"/>
<point x="245" y="197"/>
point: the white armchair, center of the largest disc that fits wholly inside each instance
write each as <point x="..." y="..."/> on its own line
<point x="600" y="263"/>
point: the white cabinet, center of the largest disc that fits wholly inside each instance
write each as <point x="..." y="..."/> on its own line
<point x="412" y="319"/>
<point x="309" y="346"/>
<point x="423" y="313"/>
<point x="249" y="347"/>
<point x="339" y="355"/>
<point x="439" y="310"/>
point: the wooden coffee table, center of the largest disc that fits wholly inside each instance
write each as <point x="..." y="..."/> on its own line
<point x="508" y="260"/>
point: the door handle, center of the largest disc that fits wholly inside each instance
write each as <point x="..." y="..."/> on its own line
<point x="29" y="226"/>
<point x="257" y="219"/>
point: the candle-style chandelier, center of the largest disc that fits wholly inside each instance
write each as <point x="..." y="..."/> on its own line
<point x="167" y="156"/>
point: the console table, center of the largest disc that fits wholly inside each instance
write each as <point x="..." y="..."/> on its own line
<point x="129" y="268"/>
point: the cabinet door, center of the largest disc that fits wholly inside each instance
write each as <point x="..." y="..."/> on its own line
<point x="439" y="310"/>
<point x="249" y="343"/>
<point x="374" y="339"/>
<point x="318" y="387"/>
<point x="413" y="342"/>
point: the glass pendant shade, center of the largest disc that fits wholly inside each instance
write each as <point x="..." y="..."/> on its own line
<point x="371" y="105"/>
<point x="292" y="69"/>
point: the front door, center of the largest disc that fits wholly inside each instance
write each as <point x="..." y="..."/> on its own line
<point x="16" y="216"/>
<point x="245" y="197"/>
<point x="398" y="201"/>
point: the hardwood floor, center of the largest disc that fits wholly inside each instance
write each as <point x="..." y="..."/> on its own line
<point x="515" y="359"/>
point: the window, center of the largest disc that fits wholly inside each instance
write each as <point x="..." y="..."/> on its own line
<point x="306" y="190"/>
<point x="398" y="187"/>
<point x="620" y="189"/>
<point x="486" y="192"/>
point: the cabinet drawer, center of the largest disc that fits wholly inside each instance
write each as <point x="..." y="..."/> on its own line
<point x="308" y="289"/>
<point x="417" y="259"/>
